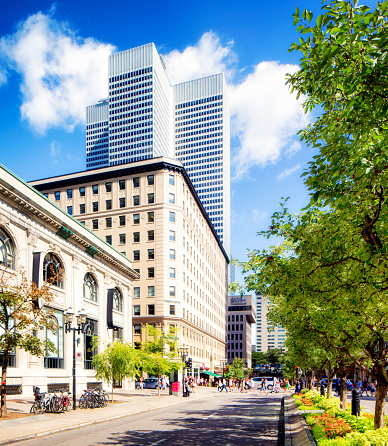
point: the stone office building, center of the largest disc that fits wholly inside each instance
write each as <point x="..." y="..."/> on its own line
<point x="241" y="315"/>
<point x="149" y="211"/>
<point x="37" y="237"/>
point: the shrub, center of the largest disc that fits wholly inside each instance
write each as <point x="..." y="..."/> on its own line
<point x="370" y="438"/>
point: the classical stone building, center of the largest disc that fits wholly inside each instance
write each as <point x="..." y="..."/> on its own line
<point x="36" y="238"/>
<point x="149" y="211"/>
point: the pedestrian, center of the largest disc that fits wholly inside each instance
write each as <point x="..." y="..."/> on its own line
<point x="252" y="384"/>
<point x="141" y="386"/>
<point x="287" y="386"/>
<point x="297" y="387"/>
<point x="372" y="388"/>
<point x="364" y="387"/>
<point x="338" y="387"/>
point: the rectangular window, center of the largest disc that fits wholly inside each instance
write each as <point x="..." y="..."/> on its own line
<point x="122" y="239"/>
<point x="108" y="187"/>
<point x="46" y="195"/>
<point x="136" y="200"/>
<point x="54" y="360"/>
<point x="151" y="272"/>
<point x="151" y="198"/>
<point x="95" y="189"/>
<point x="137" y="270"/>
<point x="90" y="348"/>
<point x="108" y="222"/>
<point x="108" y="239"/>
<point x="136" y="310"/>
<point x="82" y="191"/>
<point x="95" y="224"/>
<point x="136" y="182"/>
<point x="121" y="184"/>
<point x="136" y="329"/>
<point x="136" y="219"/>
<point x="136" y="255"/>
<point x="151" y="235"/>
<point x="171" y="198"/>
<point x="172" y="310"/>
<point x="57" y="196"/>
<point x="82" y="208"/>
<point x="151" y="217"/>
<point x="83" y="222"/>
<point x="95" y="206"/>
<point x="172" y="217"/>
<point x="172" y="254"/>
<point x="136" y="237"/>
<point x="172" y="273"/>
<point x="108" y="204"/>
<point x="122" y="220"/>
<point x="172" y="291"/>
<point x="151" y="291"/>
<point x="122" y="202"/>
<point x="136" y="291"/>
<point x="70" y="210"/>
<point x="69" y="193"/>
<point x="151" y="254"/>
<point x="151" y="310"/>
<point x="150" y="180"/>
<point x="171" y="180"/>
<point x="172" y="236"/>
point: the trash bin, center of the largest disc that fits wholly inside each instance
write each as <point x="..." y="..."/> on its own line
<point x="175" y="388"/>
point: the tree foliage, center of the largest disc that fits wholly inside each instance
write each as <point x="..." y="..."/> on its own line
<point x="330" y="272"/>
<point x="23" y="313"/>
<point x="117" y="362"/>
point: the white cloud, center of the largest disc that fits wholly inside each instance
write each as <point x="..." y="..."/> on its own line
<point x="205" y="58"/>
<point x="288" y="172"/>
<point x="264" y="115"/>
<point x="258" y="215"/>
<point x="60" y="74"/>
<point x="55" y="151"/>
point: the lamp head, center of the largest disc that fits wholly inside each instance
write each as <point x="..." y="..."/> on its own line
<point x="69" y="315"/>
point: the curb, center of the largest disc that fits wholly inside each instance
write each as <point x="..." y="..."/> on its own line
<point x="88" y="423"/>
<point x="296" y="431"/>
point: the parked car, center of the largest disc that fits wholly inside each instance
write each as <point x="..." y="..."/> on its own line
<point x="148" y="383"/>
<point x="349" y="383"/>
<point x="258" y="379"/>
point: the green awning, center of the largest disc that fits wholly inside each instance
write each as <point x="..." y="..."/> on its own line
<point x="211" y="374"/>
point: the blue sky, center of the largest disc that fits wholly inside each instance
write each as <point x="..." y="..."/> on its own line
<point x="53" y="63"/>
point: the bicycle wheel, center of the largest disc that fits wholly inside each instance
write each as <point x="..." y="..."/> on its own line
<point x="35" y="408"/>
<point x="105" y="399"/>
<point x="68" y="404"/>
<point x="82" y="402"/>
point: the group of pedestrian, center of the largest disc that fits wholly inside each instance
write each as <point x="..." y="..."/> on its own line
<point x="366" y="386"/>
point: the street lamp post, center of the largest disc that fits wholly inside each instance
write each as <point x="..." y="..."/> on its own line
<point x="183" y="351"/>
<point x="81" y="320"/>
<point x="223" y="364"/>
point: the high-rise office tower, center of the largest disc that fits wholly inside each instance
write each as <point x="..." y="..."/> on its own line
<point x="145" y="117"/>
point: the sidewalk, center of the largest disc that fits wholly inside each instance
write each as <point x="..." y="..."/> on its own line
<point x="127" y="402"/>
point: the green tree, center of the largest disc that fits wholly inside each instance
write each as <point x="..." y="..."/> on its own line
<point x="23" y="313"/>
<point x="159" y="353"/>
<point x="259" y="358"/>
<point x="117" y="362"/>
<point x="236" y="369"/>
<point x="338" y="246"/>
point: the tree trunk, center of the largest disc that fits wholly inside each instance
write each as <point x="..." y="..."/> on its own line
<point x="112" y="388"/>
<point x="3" y="407"/>
<point x="344" y="392"/>
<point x="329" y="392"/>
<point x="381" y="394"/>
<point x="329" y="379"/>
<point x="310" y="380"/>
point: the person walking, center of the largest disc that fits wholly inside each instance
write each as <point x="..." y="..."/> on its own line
<point x="372" y="388"/>
<point x="287" y="386"/>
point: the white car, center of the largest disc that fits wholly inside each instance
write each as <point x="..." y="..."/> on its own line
<point x="270" y="382"/>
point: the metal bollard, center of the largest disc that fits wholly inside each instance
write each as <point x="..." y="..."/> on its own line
<point x="356" y="402"/>
<point x="322" y="390"/>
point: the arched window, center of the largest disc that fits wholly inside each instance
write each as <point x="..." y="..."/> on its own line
<point x="90" y="287"/>
<point x="53" y="270"/>
<point x="7" y="250"/>
<point x="117" y="300"/>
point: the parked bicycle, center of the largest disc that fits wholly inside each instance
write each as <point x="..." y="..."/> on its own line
<point x="44" y="402"/>
<point x="92" y="399"/>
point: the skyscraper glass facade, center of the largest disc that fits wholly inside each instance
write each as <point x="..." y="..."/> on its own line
<point x="145" y="117"/>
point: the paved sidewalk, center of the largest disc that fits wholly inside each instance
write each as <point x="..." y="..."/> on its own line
<point x="127" y="402"/>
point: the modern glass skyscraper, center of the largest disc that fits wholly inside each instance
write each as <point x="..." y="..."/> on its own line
<point x="145" y="117"/>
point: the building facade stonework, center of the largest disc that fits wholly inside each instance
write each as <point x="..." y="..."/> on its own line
<point x="36" y="235"/>
<point x="150" y="212"/>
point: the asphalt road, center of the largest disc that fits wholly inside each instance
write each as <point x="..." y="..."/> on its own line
<point x="229" y="419"/>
